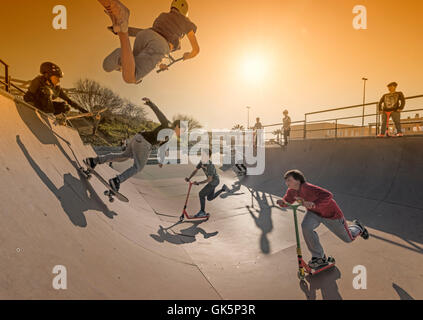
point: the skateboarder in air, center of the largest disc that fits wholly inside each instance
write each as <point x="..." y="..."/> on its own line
<point x="44" y="89"/>
<point x="393" y="102"/>
<point x="322" y="208"/>
<point x="151" y="45"/>
<point x="212" y="182"/>
<point x="138" y="148"/>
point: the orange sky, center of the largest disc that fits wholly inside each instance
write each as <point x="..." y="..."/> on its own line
<point x="314" y="58"/>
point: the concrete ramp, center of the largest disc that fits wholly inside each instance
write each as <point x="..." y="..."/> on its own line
<point x="52" y="216"/>
<point x="139" y="250"/>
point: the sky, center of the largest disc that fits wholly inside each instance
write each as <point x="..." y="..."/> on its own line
<point x="271" y="55"/>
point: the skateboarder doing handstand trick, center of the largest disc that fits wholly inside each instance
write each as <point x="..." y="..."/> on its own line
<point x="151" y="45"/>
<point x="322" y="208"/>
<point x="212" y="182"/>
<point x="45" y="89"/>
<point x="138" y="148"/>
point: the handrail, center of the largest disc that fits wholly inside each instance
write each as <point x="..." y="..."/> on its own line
<point x="6" y="76"/>
<point x="357" y="106"/>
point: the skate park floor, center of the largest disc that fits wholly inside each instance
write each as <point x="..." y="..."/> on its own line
<point x="52" y="216"/>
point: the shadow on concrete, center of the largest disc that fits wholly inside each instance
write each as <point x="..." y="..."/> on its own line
<point x="401" y="292"/>
<point x="363" y="188"/>
<point x="72" y="195"/>
<point x="184" y="236"/>
<point x="325" y="282"/>
<point x="263" y="216"/>
<point x="233" y="191"/>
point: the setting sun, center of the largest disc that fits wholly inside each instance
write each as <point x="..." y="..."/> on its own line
<point x="254" y="68"/>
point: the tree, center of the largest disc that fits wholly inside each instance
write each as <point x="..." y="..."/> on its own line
<point x="192" y="123"/>
<point x="92" y="96"/>
<point x="238" y="127"/>
<point x="278" y="134"/>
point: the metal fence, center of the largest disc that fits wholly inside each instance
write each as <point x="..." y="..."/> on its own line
<point x="351" y="121"/>
<point x="6" y="81"/>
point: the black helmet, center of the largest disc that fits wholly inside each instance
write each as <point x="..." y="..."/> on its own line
<point x="51" y="69"/>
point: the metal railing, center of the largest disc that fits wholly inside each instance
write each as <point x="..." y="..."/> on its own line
<point x="6" y="81"/>
<point x="368" y="122"/>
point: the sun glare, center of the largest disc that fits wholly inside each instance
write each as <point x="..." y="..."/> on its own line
<point x="254" y="68"/>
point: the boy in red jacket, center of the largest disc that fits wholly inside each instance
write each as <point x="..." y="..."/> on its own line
<point x="321" y="208"/>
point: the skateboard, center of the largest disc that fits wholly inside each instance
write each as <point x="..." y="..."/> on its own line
<point x="109" y="192"/>
<point x="61" y="119"/>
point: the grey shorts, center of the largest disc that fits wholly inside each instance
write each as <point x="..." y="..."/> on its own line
<point x="149" y="49"/>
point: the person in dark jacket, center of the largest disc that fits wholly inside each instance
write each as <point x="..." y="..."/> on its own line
<point x="45" y="89"/>
<point x="393" y="102"/>
<point x="138" y="148"/>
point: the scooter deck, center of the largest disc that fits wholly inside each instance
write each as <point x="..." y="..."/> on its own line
<point x="185" y="217"/>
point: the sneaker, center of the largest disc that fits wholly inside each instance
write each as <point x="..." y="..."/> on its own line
<point x="399" y="134"/>
<point x="92" y="162"/>
<point x="317" y="263"/>
<point x="115" y="184"/>
<point x="200" y="214"/>
<point x="364" y="233"/>
<point x="121" y="16"/>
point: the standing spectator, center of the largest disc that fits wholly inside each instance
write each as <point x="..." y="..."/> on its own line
<point x="257" y="126"/>
<point x="286" y="126"/>
<point x="393" y="102"/>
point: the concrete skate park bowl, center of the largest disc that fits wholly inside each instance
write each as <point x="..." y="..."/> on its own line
<point x="51" y="216"/>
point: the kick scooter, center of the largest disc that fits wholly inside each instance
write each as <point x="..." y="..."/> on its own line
<point x="303" y="267"/>
<point x="185" y="215"/>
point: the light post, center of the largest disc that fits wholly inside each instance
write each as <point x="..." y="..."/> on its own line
<point x="364" y="99"/>
<point x="248" y="117"/>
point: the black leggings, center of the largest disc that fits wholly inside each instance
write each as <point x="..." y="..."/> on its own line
<point x="208" y="191"/>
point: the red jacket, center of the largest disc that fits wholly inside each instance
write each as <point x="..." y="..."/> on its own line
<point x="325" y="206"/>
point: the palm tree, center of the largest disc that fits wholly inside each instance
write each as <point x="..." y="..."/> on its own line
<point x="277" y="133"/>
<point x="238" y="127"/>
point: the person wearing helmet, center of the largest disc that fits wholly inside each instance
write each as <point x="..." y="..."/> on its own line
<point x="151" y="45"/>
<point x="44" y="89"/>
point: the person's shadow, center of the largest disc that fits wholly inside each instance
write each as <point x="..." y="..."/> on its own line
<point x="263" y="220"/>
<point x="401" y="292"/>
<point x="187" y="235"/>
<point x="73" y="194"/>
<point x="325" y="282"/>
<point x="233" y="191"/>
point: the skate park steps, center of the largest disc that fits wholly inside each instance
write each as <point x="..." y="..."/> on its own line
<point x="51" y="216"/>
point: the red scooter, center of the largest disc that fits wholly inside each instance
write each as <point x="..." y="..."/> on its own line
<point x="185" y="215"/>
<point x="303" y="267"/>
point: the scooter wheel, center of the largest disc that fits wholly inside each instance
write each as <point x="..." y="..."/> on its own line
<point x="106" y="193"/>
<point x="301" y="275"/>
<point x="331" y="259"/>
<point x="111" y="199"/>
<point x="181" y="218"/>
